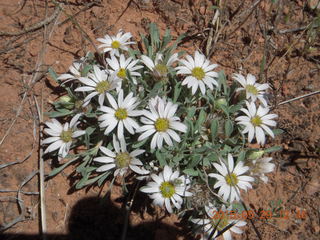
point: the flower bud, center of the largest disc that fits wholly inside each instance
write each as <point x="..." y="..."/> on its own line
<point x="65" y="99"/>
<point x="255" y="154"/>
<point x="221" y="102"/>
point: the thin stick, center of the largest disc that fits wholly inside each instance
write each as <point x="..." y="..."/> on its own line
<point x="300" y="97"/>
<point x="128" y="210"/>
<point x="252" y="8"/>
<point x="41" y="170"/>
<point x="20" y="202"/>
<point x="295" y="29"/>
<point x="210" y="37"/>
<point x="23" y="192"/>
<point x="34" y="26"/>
<point x="87" y="7"/>
<point x="84" y="34"/>
<point x="35" y="77"/>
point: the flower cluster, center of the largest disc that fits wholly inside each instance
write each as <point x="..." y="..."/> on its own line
<point x="163" y="119"/>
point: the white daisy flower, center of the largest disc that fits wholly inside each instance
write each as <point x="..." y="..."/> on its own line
<point x="161" y="122"/>
<point x="210" y="223"/>
<point x="98" y="83"/>
<point x="260" y="166"/>
<point x="200" y="72"/>
<point x="75" y="72"/>
<point x="167" y="187"/>
<point x="113" y="44"/>
<point x="123" y="65"/>
<point x="257" y="122"/>
<point x="253" y="89"/>
<point x="121" y="159"/>
<point x="120" y="114"/>
<point x="62" y="136"/>
<point x="159" y="68"/>
<point x="231" y="178"/>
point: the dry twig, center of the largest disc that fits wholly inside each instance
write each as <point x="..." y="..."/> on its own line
<point x="34" y="26"/>
<point x="34" y="78"/>
<point x="300" y="97"/>
<point x="19" y="201"/>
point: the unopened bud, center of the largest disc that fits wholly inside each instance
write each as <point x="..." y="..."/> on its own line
<point x="65" y="99"/>
<point x="255" y="155"/>
<point x="221" y="102"/>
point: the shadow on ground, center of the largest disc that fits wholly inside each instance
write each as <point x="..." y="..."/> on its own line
<point x="99" y="219"/>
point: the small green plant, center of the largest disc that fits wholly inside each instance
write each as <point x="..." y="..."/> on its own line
<point x="170" y="121"/>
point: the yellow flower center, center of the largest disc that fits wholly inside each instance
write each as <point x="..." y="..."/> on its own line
<point x="102" y="86"/>
<point x="167" y="189"/>
<point x="232" y="179"/>
<point x="121" y="113"/>
<point x="122" y="73"/>
<point x="161" y="124"/>
<point x="252" y="89"/>
<point x="161" y="69"/>
<point x="220" y="223"/>
<point x="123" y="159"/>
<point x="115" y="44"/>
<point x="198" y="73"/>
<point x="256" y="121"/>
<point x="66" y="136"/>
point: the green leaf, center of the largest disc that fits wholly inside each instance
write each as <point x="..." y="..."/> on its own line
<point x="139" y="144"/>
<point x="191" y="112"/>
<point x="145" y="41"/>
<point x="103" y="178"/>
<point x="155" y="91"/>
<point x="228" y="128"/>
<point x="235" y="108"/>
<point x="59" y="113"/>
<point x="212" y="157"/>
<point x="90" y="130"/>
<point x="161" y="158"/>
<point x="191" y="172"/>
<point x="273" y="149"/>
<point x="166" y="39"/>
<point x="85" y="70"/>
<point x="59" y="169"/>
<point x="225" y="109"/>
<point x="277" y="131"/>
<point x="201" y="119"/>
<point x="154" y="33"/>
<point x="195" y="159"/>
<point x="190" y="126"/>
<point x="241" y="156"/>
<point x="177" y="91"/>
<point x="178" y="158"/>
<point x="214" y="128"/>
<point x="82" y="167"/>
<point x="238" y="207"/>
<point x="53" y="74"/>
<point x="85" y="181"/>
<point x="222" y="80"/>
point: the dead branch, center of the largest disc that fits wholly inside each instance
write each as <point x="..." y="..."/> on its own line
<point x="300" y="97"/>
<point x="34" y="78"/>
<point x="19" y="201"/>
<point x="87" y="7"/>
<point x="34" y="26"/>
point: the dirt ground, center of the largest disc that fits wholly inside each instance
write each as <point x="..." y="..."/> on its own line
<point x="278" y="41"/>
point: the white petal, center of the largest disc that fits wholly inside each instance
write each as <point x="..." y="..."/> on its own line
<point x="104" y="159"/>
<point x="107" y="152"/>
<point x="105" y="167"/>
